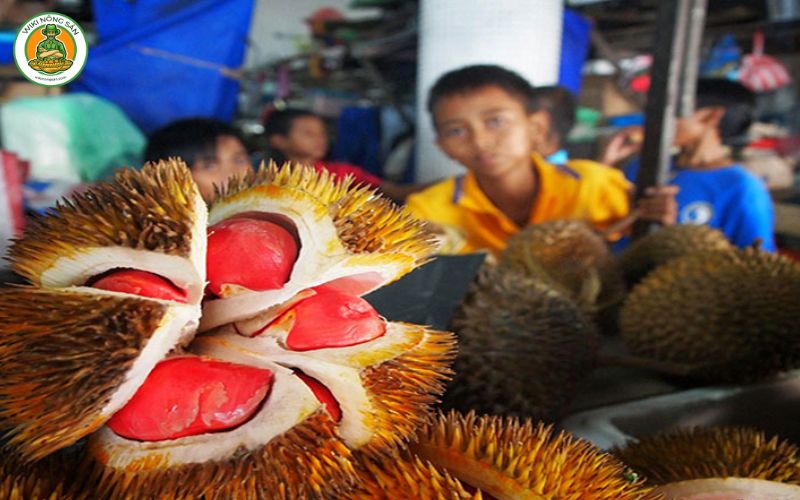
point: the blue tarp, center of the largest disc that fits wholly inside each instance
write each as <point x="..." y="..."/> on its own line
<point x="575" y="41"/>
<point x="161" y="61"/>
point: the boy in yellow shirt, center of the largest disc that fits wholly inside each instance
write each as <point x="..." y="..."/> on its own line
<point x="484" y="119"/>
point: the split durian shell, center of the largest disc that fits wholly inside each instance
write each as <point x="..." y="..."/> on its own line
<point x="152" y="219"/>
<point x="523" y="348"/>
<point x="571" y="258"/>
<point x="349" y="236"/>
<point x="727" y="316"/>
<point x="511" y="459"/>
<point x="384" y="388"/>
<point x="667" y="243"/>
<point x="71" y="358"/>
<point x="686" y="462"/>
<point x="308" y="460"/>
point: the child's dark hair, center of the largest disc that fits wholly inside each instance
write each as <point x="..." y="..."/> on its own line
<point x="279" y="122"/>
<point x="471" y="78"/>
<point x="190" y="139"/>
<point x="738" y="101"/>
<point x="559" y="104"/>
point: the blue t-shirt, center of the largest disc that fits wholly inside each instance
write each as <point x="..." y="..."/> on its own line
<point x="730" y="199"/>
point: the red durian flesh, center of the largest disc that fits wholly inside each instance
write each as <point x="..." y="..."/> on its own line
<point x="333" y="319"/>
<point x="140" y="283"/>
<point x="251" y="253"/>
<point x="186" y="396"/>
<point x="323" y="395"/>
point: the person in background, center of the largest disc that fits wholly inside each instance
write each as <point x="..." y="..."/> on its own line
<point x="714" y="189"/>
<point x="301" y="136"/>
<point x="213" y="150"/>
<point x="484" y="119"/>
<point x="558" y="106"/>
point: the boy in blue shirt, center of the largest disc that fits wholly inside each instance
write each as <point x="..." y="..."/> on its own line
<point x="714" y="190"/>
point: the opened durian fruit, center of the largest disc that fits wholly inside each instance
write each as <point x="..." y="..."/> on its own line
<point x="719" y="463"/>
<point x="100" y="354"/>
<point x="295" y="384"/>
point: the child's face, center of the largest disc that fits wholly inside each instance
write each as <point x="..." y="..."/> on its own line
<point x="230" y="159"/>
<point x="306" y="142"/>
<point x="691" y="129"/>
<point x="488" y="130"/>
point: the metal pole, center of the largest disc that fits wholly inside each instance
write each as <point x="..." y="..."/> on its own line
<point x="668" y="53"/>
<point x="691" y="58"/>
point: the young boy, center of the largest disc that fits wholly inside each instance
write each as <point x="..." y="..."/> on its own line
<point x="301" y="136"/>
<point x="484" y="120"/>
<point x="213" y="150"/>
<point x="714" y="190"/>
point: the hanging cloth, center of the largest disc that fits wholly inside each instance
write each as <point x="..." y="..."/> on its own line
<point x="762" y="73"/>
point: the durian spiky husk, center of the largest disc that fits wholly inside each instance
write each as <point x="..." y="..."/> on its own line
<point x="732" y="315"/>
<point x="365" y="221"/>
<point x="509" y="459"/>
<point x="699" y="453"/>
<point x="405" y="388"/>
<point x="523" y="348"/>
<point x="405" y="475"/>
<point x="67" y="356"/>
<point x="668" y="243"/>
<point x="51" y="478"/>
<point x="157" y="209"/>
<point x="569" y="256"/>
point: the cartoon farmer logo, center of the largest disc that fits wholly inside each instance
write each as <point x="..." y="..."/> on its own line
<point x="50" y="49"/>
<point x="51" y="54"/>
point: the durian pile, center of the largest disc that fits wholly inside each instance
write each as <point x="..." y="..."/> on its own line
<point x="724" y="314"/>
<point x="165" y="350"/>
<point x="683" y="300"/>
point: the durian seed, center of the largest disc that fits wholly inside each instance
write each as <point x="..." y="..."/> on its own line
<point x="188" y="395"/>
<point x="323" y="395"/>
<point x="332" y="319"/>
<point x="249" y="253"/>
<point x="140" y="283"/>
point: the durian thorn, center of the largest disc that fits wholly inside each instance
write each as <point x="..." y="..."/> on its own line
<point x="672" y="368"/>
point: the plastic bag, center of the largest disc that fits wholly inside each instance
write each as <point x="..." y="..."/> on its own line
<point x="73" y="137"/>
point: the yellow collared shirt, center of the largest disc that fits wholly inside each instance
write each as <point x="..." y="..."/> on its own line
<point x="582" y="189"/>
